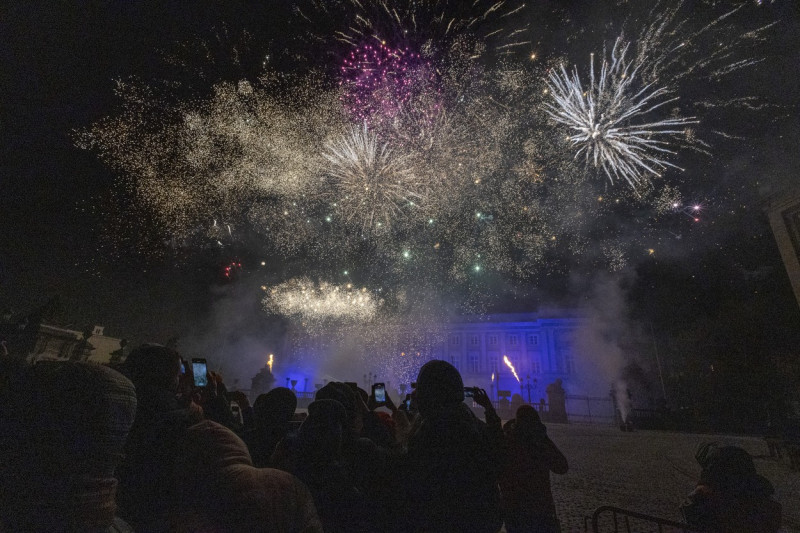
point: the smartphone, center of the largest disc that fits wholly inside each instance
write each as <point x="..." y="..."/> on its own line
<point x="469" y="392"/>
<point x="237" y="411"/>
<point x="379" y="393"/>
<point x="200" y="372"/>
<point x="408" y="404"/>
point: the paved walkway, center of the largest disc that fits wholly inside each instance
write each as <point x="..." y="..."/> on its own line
<point x="648" y="471"/>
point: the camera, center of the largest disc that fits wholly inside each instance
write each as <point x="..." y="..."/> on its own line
<point x="469" y="392"/>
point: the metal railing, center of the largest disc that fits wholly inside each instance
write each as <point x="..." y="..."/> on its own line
<point x="641" y="521"/>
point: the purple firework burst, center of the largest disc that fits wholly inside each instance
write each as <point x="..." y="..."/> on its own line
<point x="378" y="81"/>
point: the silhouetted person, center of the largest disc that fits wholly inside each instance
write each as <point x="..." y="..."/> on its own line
<point x="62" y="430"/>
<point x="341" y="506"/>
<point x="453" y="458"/>
<point x="147" y="476"/>
<point x="528" y="505"/>
<point x="185" y="473"/>
<point x="731" y="496"/>
<point x="272" y="413"/>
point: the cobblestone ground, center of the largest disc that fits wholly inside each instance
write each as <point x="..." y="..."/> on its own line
<point x="648" y="471"/>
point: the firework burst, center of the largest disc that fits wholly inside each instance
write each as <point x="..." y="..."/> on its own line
<point x="372" y="184"/>
<point x="320" y="302"/>
<point x="610" y="118"/>
<point x="416" y="158"/>
<point x="378" y="81"/>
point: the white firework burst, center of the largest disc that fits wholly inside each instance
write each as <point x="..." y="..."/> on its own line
<point x="371" y="184"/>
<point x="315" y="303"/>
<point x="609" y="119"/>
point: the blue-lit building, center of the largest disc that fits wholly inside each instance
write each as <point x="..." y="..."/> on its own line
<point x="541" y="349"/>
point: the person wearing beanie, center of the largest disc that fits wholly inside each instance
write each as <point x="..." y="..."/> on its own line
<point x="63" y="427"/>
<point x="527" y="497"/>
<point x="364" y="464"/>
<point x="219" y="489"/>
<point x="453" y="458"/>
<point x="731" y="495"/>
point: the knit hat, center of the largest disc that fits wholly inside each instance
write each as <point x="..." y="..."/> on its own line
<point x="63" y="430"/>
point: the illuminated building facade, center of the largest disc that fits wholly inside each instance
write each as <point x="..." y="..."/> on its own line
<point x="541" y="350"/>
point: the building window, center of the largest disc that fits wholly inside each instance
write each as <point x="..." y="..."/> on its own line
<point x="492" y="340"/>
<point x="569" y="362"/>
<point x="474" y="340"/>
<point x="493" y="358"/>
<point x="455" y="360"/>
<point x="455" y="340"/>
<point x="513" y="340"/>
<point x="474" y="362"/>
<point x="536" y="363"/>
<point x="533" y="340"/>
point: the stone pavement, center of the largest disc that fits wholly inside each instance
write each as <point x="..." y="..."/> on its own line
<point x="648" y="471"/>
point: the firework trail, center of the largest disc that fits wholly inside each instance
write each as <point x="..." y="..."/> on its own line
<point x="500" y="26"/>
<point x="379" y="81"/>
<point x="507" y="361"/>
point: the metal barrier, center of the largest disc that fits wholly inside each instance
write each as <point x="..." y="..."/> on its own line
<point x="642" y="522"/>
<point x="590" y="410"/>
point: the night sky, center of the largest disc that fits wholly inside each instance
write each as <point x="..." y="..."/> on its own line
<point x="60" y="61"/>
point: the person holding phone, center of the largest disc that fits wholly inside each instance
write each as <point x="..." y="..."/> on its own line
<point x="450" y="477"/>
<point x="161" y="417"/>
<point x="183" y="472"/>
<point x="379" y="425"/>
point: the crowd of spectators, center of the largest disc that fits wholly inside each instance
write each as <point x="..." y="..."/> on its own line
<point x="140" y="448"/>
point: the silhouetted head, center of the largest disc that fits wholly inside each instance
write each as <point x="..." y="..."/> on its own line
<point x="731" y="470"/>
<point x="276" y="407"/>
<point x="346" y="396"/>
<point x="439" y="385"/>
<point x="322" y="431"/>
<point x="528" y="423"/>
<point x="153" y="366"/>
